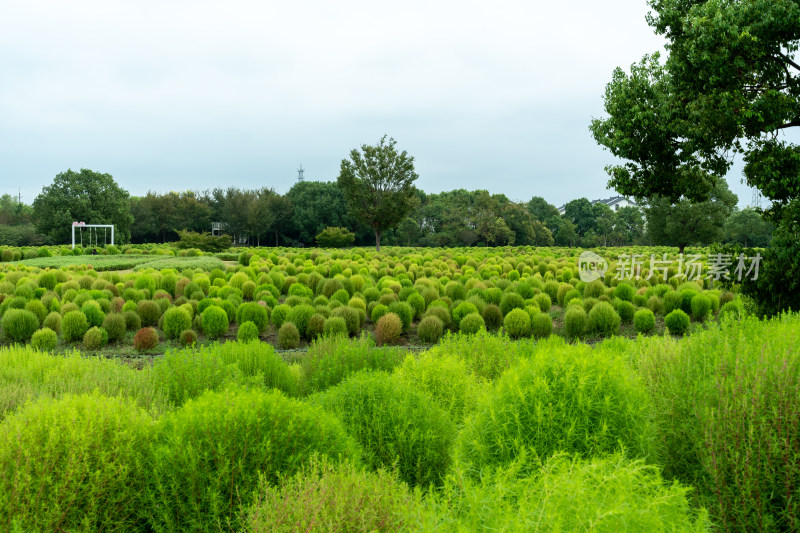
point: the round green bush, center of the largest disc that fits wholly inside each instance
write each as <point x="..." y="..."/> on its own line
<point x="377" y="312"/>
<point x="701" y="306"/>
<point x="417" y="301"/>
<point x="149" y="312"/>
<point x="677" y="322"/>
<point x="396" y="425"/>
<point x="404" y="311"/>
<point x="299" y="315"/>
<point x="255" y="313"/>
<point x="388" y="329"/>
<point x="351" y="318"/>
<point x="517" y="323"/>
<point x="341" y="295"/>
<point x="114" y="325"/>
<point x="626" y="310"/>
<point x="95" y="338"/>
<point x="188" y="337"/>
<point x="19" y="324"/>
<point x="288" y="336"/>
<point x="215" y="322"/>
<point x="37" y="308"/>
<point x="145" y="339"/>
<point x="213" y="450"/>
<point x="75" y="464"/>
<point x="573" y="400"/>
<point x="53" y="321"/>
<point x="430" y="329"/>
<point x="94" y="313"/>
<point x="654" y="304"/>
<point x="44" y="339"/>
<point x="440" y="312"/>
<point x="132" y="321"/>
<point x="543" y="301"/>
<point x="541" y="325"/>
<point x="624" y="291"/>
<point x="176" y="320"/>
<point x="472" y="324"/>
<point x="455" y="291"/>
<point x="644" y="321"/>
<point x="492" y="317"/>
<point x="575" y="321"/>
<point x="670" y="301"/>
<point x="316" y="326"/>
<point x="74" y="326"/>
<point x="247" y="332"/>
<point x="463" y="309"/>
<point x="334" y="326"/>
<point x="603" y="320"/>
<point x="279" y="315"/>
<point x="511" y="300"/>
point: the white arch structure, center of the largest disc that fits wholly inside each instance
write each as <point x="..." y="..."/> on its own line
<point x="82" y="225"/>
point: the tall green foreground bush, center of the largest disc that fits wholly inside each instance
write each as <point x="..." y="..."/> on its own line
<point x="212" y="452"/>
<point x="727" y="406"/>
<point x="611" y="494"/>
<point x="562" y="398"/>
<point x="397" y="425"/>
<point x="185" y="374"/>
<point x="485" y="355"/>
<point x="325" y="496"/>
<point x="79" y="463"/>
<point x="446" y="379"/>
<point x="330" y="360"/>
<point x="27" y="374"/>
<point x="256" y="360"/>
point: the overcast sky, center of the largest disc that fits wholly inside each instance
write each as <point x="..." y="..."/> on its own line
<point x="176" y="95"/>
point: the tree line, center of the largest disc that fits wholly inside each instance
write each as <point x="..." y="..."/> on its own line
<point x="263" y="217"/>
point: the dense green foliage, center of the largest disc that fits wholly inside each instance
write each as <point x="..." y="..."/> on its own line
<point x="396" y="425"/>
<point x="559" y="399"/>
<point x="79" y="463"/>
<point x="212" y="451"/>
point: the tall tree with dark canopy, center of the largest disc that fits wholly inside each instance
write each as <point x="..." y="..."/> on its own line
<point x="378" y="183"/>
<point x="731" y="85"/>
<point x="684" y="222"/>
<point x="84" y="196"/>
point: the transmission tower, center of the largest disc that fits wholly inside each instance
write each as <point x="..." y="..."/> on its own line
<point x="300" y="172"/>
<point x="756" y="200"/>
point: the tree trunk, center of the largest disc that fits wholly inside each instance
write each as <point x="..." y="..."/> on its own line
<point x="276" y="238"/>
<point x="681" y="248"/>
<point x="377" y="241"/>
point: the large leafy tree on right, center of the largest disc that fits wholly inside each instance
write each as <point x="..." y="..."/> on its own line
<point x="731" y="84"/>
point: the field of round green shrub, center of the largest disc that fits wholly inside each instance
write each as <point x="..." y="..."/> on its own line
<point x="277" y="285"/>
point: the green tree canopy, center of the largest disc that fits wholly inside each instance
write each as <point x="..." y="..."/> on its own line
<point x="684" y="222"/>
<point x="84" y="196"/>
<point x="748" y="228"/>
<point x="730" y="84"/>
<point x="378" y="184"/>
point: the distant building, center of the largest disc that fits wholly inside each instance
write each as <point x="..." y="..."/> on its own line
<point x="615" y="203"/>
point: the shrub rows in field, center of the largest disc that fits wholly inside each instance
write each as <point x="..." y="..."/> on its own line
<point x="402" y="296"/>
<point x="479" y="433"/>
